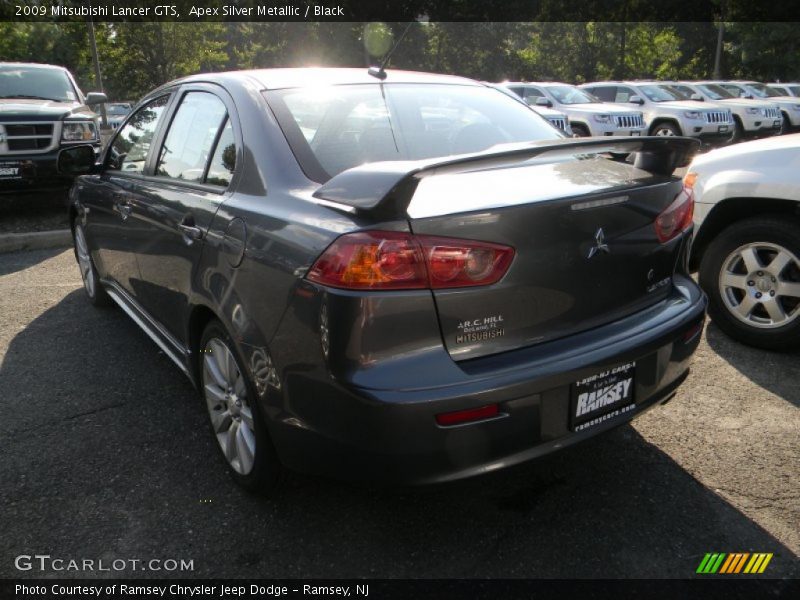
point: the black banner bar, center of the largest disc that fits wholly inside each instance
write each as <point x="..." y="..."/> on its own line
<point x="730" y="587"/>
<point x="399" y="10"/>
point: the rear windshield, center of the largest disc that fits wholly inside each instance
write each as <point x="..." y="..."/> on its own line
<point x="36" y="83"/>
<point x="334" y="128"/>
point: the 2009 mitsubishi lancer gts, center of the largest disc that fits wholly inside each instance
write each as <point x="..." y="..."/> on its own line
<point x="390" y="276"/>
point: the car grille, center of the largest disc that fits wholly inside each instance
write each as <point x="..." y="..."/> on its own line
<point x="717" y="116"/>
<point x="559" y="122"/>
<point x="25" y="137"/>
<point x="771" y="113"/>
<point x="629" y="121"/>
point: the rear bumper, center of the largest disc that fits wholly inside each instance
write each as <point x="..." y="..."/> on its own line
<point x="329" y="426"/>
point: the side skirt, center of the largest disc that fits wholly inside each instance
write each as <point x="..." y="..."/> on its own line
<point x="178" y="353"/>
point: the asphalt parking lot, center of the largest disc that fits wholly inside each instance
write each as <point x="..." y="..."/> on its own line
<point x="105" y="454"/>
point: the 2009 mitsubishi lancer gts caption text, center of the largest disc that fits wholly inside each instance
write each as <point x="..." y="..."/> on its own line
<point x="387" y="275"/>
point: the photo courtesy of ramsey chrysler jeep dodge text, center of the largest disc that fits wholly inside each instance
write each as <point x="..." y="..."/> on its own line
<point x="390" y="275"/>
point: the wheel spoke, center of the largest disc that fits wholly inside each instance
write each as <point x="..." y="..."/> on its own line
<point x="213" y="371"/>
<point x="218" y="351"/>
<point x="746" y="306"/>
<point x="245" y="448"/>
<point x="232" y="371"/>
<point x="775" y="311"/>
<point x="787" y="288"/>
<point x="779" y="263"/>
<point x="221" y="421"/>
<point x="214" y="394"/>
<point x="751" y="261"/>
<point x="247" y="417"/>
<point x="735" y="281"/>
<point x="231" y="450"/>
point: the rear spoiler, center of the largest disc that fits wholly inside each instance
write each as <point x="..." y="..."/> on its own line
<point x="386" y="188"/>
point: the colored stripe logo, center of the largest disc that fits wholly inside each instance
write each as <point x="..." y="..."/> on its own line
<point x="734" y="563"/>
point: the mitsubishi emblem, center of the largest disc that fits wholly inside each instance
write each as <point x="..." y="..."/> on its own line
<point x="599" y="244"/>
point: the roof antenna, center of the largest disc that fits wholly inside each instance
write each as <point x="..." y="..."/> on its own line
<point x="379" y="72"/>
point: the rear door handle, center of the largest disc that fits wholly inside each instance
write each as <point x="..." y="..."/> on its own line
<point x="191" y="232"/>
<point x="125" y="209"/>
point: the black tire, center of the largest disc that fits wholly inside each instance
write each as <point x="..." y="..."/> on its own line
<point x="580" y="130"/>
<point x="776" y="231"/>
<point x="267" y="472"/>
<point x="92" y="287"/>
<point x="738" y="131"/>
<point x="664" y="127"/>
<point x="786" y="124"/>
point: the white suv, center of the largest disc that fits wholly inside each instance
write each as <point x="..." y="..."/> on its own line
<point x="747" y="239"/>
<point x="587" y="115"/>
<point x="665" y="113"/>
<point x="753" y="118"/>
<point x="790" y="106"/>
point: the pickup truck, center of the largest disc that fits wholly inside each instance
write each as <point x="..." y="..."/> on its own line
<point x="42" y="111"/>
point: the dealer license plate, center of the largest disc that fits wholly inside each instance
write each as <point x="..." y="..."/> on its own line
<point x="776" y="123"/>
<point x="636" y="133"/>
<point x="602" y="396"/>
<point x="9" y="170"/>
<point x="723" y="128"/>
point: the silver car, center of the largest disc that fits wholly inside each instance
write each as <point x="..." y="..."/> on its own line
<point x="588" y="116"/>
<point x="666" y="112"/>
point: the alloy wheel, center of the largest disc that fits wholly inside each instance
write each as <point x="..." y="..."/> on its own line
<point x="231" y="415"/>
<point x="760" y="285"/>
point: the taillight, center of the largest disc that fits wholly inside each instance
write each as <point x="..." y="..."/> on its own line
<point x="388" y="260"/>
<point x="677" y="217"/>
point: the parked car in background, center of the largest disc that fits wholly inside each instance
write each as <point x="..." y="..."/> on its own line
<point x="556" y="118"/>
<point x="666" y="113"/>
<point x="116" y="113"/>
<point x="747" y="239"/>
<point x="390" y="275"/>
<point x="752" y="118"/>
<point x="587" y="115"/>
<point x="790" y="106"/>
<point x="42" y="110"/>
<point x="786" y="89"/>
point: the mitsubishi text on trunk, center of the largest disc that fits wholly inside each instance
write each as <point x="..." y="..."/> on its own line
<point x="391" y="276"/>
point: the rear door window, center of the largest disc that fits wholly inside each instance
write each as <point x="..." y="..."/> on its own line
<point x="605" y="93"/>
<point x="191" y="138"/>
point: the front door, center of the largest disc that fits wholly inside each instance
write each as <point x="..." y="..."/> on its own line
<point x="186" y="184"/>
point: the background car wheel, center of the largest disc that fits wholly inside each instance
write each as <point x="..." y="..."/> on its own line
<point x="665" y="129"/>
<point x="580" y="130"/>
<point x="786" y="125"/>
<point x="91" y="280"/>
<point x="751" y="273"/>
<point x="738" y="131"/>
<point x="236" y="422"/>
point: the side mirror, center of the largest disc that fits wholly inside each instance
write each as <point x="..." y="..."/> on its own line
<point x="95" y="98"/>
<point x="542" y="101"/>
<point x="78" y="160"/>
<point x="697" y="97"/>
<point x="636" y="100"/>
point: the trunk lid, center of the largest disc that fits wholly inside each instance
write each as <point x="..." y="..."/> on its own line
<point x="586" y="251"/>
